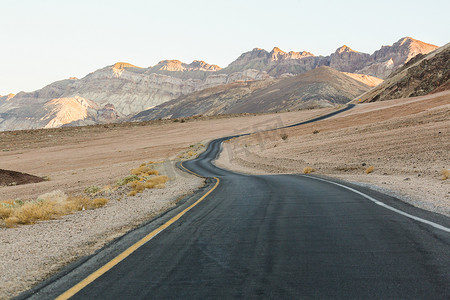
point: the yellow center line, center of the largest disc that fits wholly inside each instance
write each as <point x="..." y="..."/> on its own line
<point x="82" y="284"/>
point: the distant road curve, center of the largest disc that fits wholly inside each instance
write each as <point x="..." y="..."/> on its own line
<point x="270" y="236"/>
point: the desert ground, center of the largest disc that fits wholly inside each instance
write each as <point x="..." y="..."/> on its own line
<point x="405" y="140"/>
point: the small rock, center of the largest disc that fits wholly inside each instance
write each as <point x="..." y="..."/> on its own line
<point x="363" y="164"/>
<point x="407" y="178"/>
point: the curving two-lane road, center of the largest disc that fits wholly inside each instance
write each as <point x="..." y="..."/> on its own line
<point x="274" y="236"/>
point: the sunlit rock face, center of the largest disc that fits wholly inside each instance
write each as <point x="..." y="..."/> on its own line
<point x="421" y="75"/>
<point x="111" y="93"/>
<point x="380" y="64"/>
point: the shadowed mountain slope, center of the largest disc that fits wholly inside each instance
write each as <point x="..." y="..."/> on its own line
<point x="320" y="87"/>
<point x="422" y="75"/>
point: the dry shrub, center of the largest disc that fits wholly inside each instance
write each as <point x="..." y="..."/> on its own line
<point x="93" y="189"/>
<point x="6" y="208"/>
<point x="11" y="222"/>
<point x="47" y="207"/>
<point x="307" y="170"/>
<point x="140" y="170"/>
<point x="158" y="179"/>
<point x="127" y="179"/>
<point x="5" y="212"/>
<point x="157" y="182"/>
<point x="78" y="203"/>
<point x="284" y="136"/>
<point x="132" y="193"/>
<point x="98" y="202"/>
<point x="445" y="174"/>
<point x="137" y="186"/>
<point x="369" y="169"/>
<point x="152" y="172"/>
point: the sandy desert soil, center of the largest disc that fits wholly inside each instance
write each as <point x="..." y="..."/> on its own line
<point x="76" y="158"/>
<point x="407" y="141"/>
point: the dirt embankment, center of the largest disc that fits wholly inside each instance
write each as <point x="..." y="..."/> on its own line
<point x="405" y="140"/>
<point x="8" y="178"/>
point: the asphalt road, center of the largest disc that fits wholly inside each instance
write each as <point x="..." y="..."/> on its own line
<point x="277" y="237"/>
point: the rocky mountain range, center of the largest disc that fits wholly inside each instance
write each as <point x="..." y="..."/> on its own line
<point x="422" y="75"/>
<point x="121" y="90"/>
<point x="379" y="64"/>
<point x="320" y="87"/>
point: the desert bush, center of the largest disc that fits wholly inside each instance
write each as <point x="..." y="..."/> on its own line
<point x="140" y="170"/>
<point x="445" y="174"/>
<point x="284" y="136"/>
<point x="47" y="207"/>
<point x="98" y="202"/>
<point x="153" y="172"/>
<point x="6" y="208"/>
<point x="85" y="203"/>
<point x="369" y="170"/>
<point x="158" y="179"/>
<point x="93" y="189"/>
<point x="138" y="186"/>
<point x="132" y="193"/>
<point x="127" y="179"/>
<point x="307" y="170"/>
<point x="316" y="131"/>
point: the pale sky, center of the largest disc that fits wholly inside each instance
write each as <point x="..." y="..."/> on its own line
<point x="47" y="40"/>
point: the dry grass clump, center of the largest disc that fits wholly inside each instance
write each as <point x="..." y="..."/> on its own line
<point x="369" y="169"/>
<point x="127" y="179"/>
<point x="156" y="182"/>
<point x="46" y="207"/>
<point x="93" y="189"/>
<point x="85" y="203"/>
<point x="445" y="174"/>
<point x="143" y="177"/>
<point x="307" y="170"/>
<point x="140" y="170"/>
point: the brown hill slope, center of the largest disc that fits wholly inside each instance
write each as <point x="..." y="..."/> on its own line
<point x="422" y="75"/>
<point x="320" y="87"/>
